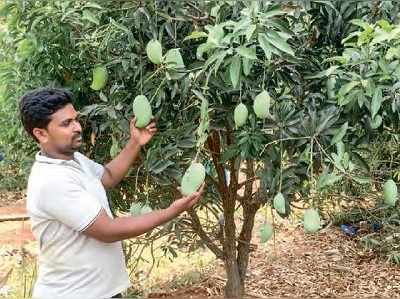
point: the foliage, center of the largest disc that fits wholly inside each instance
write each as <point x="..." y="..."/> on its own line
<point x="323" y="109"/>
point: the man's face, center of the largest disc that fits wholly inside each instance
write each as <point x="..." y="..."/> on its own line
<point x="64" y="132"/>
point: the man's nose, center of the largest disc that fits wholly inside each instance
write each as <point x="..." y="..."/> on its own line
<point x="77" y="127"/>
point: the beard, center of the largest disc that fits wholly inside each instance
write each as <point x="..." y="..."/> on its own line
<point x="72" y="147"/>
<point x="76" y="143"/>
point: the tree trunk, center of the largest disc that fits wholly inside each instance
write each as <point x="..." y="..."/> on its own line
<point x="235" y="255"/>
<point x="243" y="249"/>
<point x="250" y="208"/>
<point x="234" y="288"/>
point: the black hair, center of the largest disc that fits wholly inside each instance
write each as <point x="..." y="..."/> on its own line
<point x="37" y="106"/>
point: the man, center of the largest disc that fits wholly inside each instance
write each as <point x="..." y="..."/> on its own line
<point x="80" y="252"/>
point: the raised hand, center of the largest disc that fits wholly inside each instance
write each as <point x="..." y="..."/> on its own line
<point x="142" y="136"/>
<point x="185" y="203"/>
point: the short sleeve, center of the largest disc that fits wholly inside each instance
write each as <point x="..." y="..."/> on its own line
<point x="66" y="201"/>
<point x="93" y="167"/>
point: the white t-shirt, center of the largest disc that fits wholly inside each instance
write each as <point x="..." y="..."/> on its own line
<point x="64" y="198"/>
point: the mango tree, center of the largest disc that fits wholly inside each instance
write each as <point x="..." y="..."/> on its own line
<point x="238" y="90"/>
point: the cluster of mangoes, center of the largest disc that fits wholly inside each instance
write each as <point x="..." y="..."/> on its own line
<point x="195" y="174"/>
<point x="260" y="106"/>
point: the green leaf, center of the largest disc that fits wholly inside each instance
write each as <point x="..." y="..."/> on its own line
<point x="345" y="89"/>
<point x="203" y="48"/>
<point x="277" y="41"/>
<point x="88" y="15"/>
<point x="120" y="26"/>
<point x="326" y="180"/>
<point x="115" y="149"/>
<point x="385" y="25"/>
<point x="376" y="122"/>
<point x="247" y="64"/>
<point x="249" y="53"/>
<point x="323" y="74"/>
<point x="215" y="11"/>
<point x="93" y="5"/>
<point x="376" y="102"/>
<point x="234" y="70"/>
<point x="229" y="153"/>
<point x="362" y="181"/>
<point x="215" y="34"/>
<point x="204" y="109"/>
<point x="273" y="13"/>
<point x="195" y="35"/>
<point x="392" y="53"/>
<point x="381" y="36"/>
<point x="161" y="165"/>
<point x="199" y="94"/>
<point x="340" y="133"/>
<point x="266" y="46"/>
<point x="360" y="23"/>
<point x="220" y="60"/>
<point x="250" y="31"/>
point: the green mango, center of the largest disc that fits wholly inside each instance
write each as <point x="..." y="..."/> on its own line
<point x="100" y="77"/>
<point x="261" y="104"/>
<point x="312" y="221"/>
<point x="193" y="178"/>
<point x="154" y="51"/>
<point x="280" y="203"/>
<point x="390" y="193"/>
<point x="266" y="232"/>
<point x="142" y="111"/>
<point x="240" y="115"/>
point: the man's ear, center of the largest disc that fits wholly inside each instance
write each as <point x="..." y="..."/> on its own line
<point x="41" y="135"/>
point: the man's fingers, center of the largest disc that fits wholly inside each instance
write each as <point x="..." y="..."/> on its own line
<point x="133" y="121"/>
<point x="201" y="189"/>
<point x="195" y="197"/>
<point x="151" y="126"/>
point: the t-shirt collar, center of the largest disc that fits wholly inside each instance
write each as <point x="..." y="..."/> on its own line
<point x="44" y="159"/>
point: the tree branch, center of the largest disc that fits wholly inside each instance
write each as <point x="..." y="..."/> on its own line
<point x="195" y="223"/>
<point x="249" y="183"/>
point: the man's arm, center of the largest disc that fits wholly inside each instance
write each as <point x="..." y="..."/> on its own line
<point x="116" y="170"/>
<point x="108" y="230"/>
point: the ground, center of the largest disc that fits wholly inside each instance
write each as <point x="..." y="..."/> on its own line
<point x="327" y="264"/>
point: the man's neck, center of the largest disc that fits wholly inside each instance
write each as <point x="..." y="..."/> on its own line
<point x="58" y="156"/>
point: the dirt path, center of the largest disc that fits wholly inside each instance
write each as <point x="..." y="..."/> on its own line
<point x="14" y="232"/>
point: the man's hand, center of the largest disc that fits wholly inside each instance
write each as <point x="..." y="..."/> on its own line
<point x="119" y="166"/>
<point x="108" y="230"/>
<point x="142" y="136"/>
<point x="185" y="203"/>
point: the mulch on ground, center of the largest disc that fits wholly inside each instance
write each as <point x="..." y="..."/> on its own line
<point x="328" y="264"/>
